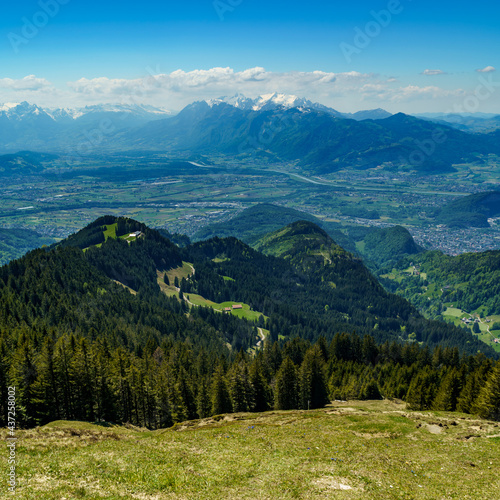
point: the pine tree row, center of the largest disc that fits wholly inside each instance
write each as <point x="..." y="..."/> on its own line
<point x="76" y="378"/>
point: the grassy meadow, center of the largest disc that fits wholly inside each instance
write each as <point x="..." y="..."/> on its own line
<point x="194" y="299"/>
<point x="349" y="450"/>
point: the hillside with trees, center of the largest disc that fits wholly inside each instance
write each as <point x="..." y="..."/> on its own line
<point x="254" y="222"/>
<point x="471" y="211"/>
<point x="14" y="243"/>
<point x="470" y="281"/>
<point x="87" y="333"/>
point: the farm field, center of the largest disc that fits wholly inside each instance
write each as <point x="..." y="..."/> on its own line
<point x="349" y="450"/>
<point x="181" y="197"/>
<point x="486" y="335"/>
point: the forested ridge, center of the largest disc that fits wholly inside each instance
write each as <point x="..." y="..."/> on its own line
<point x="471" y="211"/>
<point x="16" y="242"/>
<point x="470" y="281"/>
<point x="78" y="345"/>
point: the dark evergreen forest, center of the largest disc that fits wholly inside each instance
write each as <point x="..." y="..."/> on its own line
<point x="77" y="344"/>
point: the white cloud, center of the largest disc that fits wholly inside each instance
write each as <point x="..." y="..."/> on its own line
<point x="432" y="72"/>
<point x="413" y="91"/>
<point x="29" y="83"/>
<point x="382" y="92"/>
<point x="488" y="69"/>
<point x="104" y="86"/>
<point x="346" y="91"/>
<point x="183" y="87"/>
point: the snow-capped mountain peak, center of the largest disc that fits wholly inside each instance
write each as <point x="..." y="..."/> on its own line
<point x="238" y="101"/>
<point x="8" y="105"/>
<point x="272" y="101"/>
<point x="23" y="110"/>
<point x="284" y="100"/>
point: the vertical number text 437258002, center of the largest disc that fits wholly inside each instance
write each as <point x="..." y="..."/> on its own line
<point x="11" y="439"/>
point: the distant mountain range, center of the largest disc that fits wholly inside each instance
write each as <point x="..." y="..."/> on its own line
<point x="28" y="126"/>
<point x="316" y="140"/>
<point x="468" y="122"/>
<point x="25" y="110"/>
<point x="273" y="127"/>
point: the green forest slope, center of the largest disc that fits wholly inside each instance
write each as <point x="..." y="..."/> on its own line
<point x="87" y="332"/>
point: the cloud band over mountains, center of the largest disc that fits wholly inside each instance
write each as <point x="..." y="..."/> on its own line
<point x="174" y="90"/>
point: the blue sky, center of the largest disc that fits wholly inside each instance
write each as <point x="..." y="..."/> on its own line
<point x="402" y="55"/>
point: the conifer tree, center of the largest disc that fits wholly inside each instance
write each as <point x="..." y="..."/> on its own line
<point x="178" y="407"/>
<point x="62" y="362"/>
<point x="219" y="393"/>
<point x="448" y="392"/>
<point x="105" y="396"/>
<point x="82" y="376"/>
<point x="261" y="389"/>
<point x="23" y="375"/>
<point x="422" y="390"/>
<point x="163" y="412"/>
<point x="370" y="390"/>
<point x="45" y="387"/>
<point x="286" y="386"/>
<point x="186" y="393"/>
<point x="203" y="405"/>
<point x="240" y="388"/>
<point x="468" y="399"/>
<point x="489" y="397"/>
<point x="4" y="369"/>
<point x="312" y="384"/>
<point x="369" y="349"/>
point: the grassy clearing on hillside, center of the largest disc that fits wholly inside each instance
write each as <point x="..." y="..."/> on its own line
<point x="455" y="313"/>
<point x="180" y="272"/>
<point x="487" y="336"/>
<point x="133" y="292"/>
<point x="198" y="300"/>
<point x="110" y="231"/>
<point x="375" y="450"/>
<point x="245" y="312"/>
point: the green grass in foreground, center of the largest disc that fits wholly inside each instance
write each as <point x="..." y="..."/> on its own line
<point x="374" y="450"/>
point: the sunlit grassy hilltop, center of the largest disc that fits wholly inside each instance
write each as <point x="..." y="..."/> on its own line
<point x="375" y="450"/>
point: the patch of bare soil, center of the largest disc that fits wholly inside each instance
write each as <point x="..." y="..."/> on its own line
<point x="375" y="435"/>
<point x="434" y="429"/>
<point x="332" y="483"/>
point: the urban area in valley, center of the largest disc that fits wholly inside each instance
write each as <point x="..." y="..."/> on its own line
<point x="183" y="196"/>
